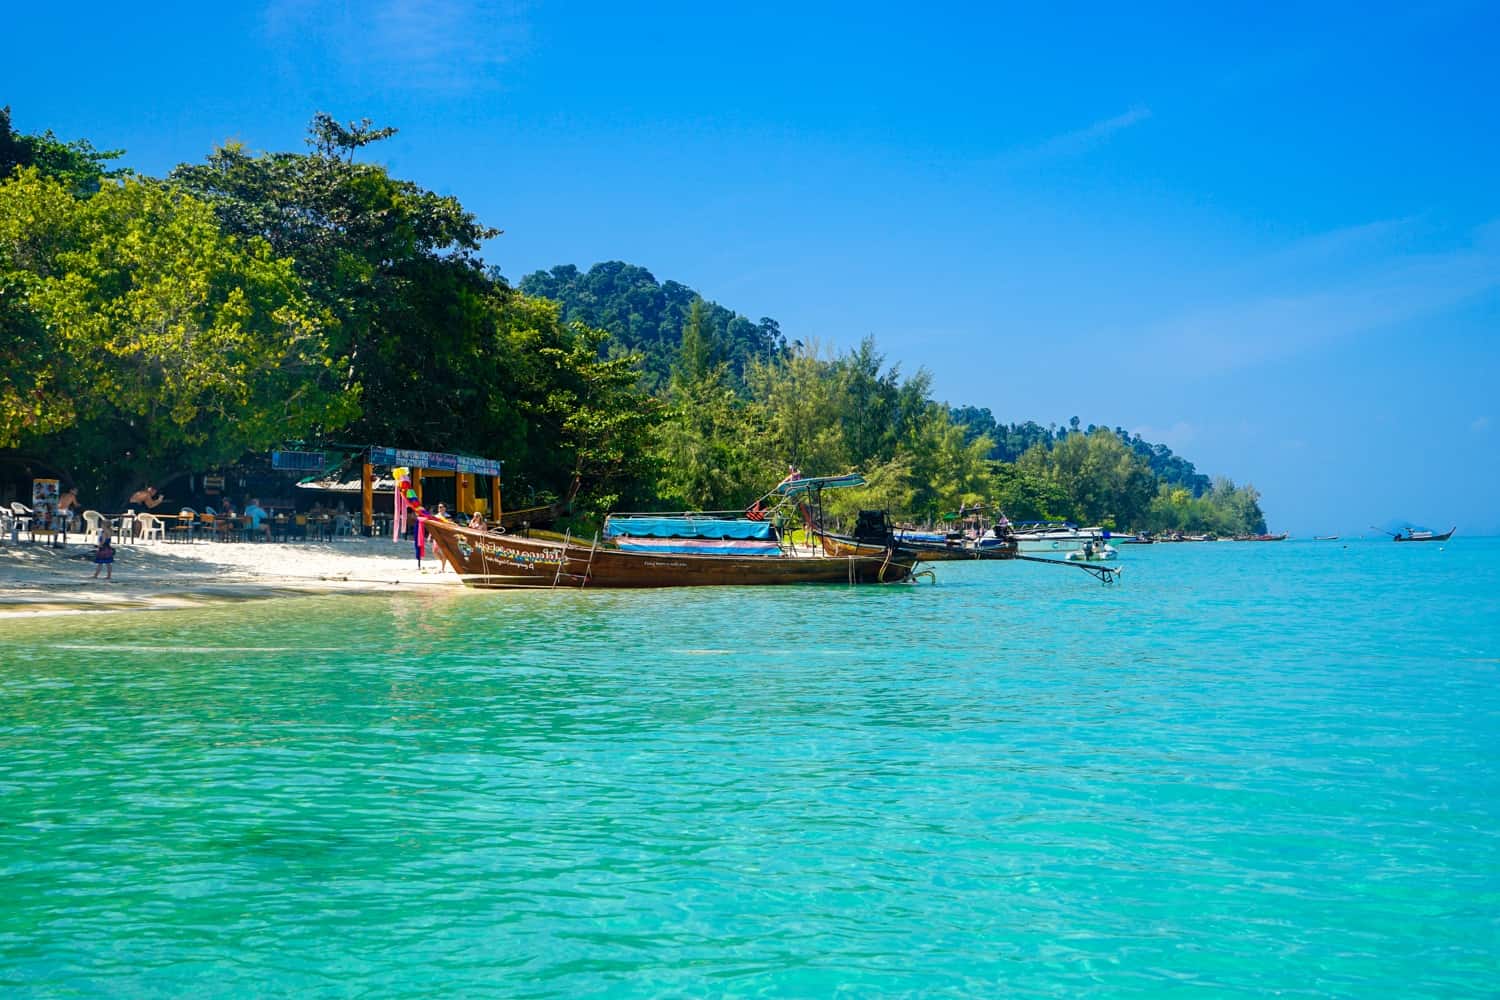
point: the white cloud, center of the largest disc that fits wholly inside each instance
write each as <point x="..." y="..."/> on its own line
<point x="1074" y="142"/>
<point x="449" y="45"/>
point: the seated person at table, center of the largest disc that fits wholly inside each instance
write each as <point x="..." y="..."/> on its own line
<point x="148" y="496"/>
<point x="226" y="509"/>
<point x="259" y="518"/>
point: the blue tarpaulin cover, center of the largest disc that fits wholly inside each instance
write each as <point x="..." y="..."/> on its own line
<point x="686" y="527"/>
<point x="700" y="546"/>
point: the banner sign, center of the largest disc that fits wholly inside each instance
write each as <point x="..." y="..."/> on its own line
<point x="44" y="492"/>
<point x="298" y="461"/>
<point x="435" y="460"/>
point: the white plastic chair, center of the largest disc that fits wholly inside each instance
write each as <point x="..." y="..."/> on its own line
<point x="93" y="522"/>
<point x="151" y="527"/>
<point x="23" y="518"/>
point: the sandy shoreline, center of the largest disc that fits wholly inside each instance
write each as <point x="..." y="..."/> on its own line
<point x="36" y="579"/>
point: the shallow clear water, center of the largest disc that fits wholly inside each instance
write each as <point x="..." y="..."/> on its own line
<point x="1247" y="769"/>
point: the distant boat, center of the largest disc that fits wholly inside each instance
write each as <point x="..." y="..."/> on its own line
<point x="1325" y="538"/>
<point x="1412" y="535"/>
<point x="1263" y="538"/>
<point x="1054" y="536"/>
<point x="1093" y="552"/>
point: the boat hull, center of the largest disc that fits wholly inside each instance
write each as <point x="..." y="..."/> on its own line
<point x="1427" y="537"/>
<point x="493" y="561"/>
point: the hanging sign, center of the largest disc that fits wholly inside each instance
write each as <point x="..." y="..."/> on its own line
<point x="44" y="492"/>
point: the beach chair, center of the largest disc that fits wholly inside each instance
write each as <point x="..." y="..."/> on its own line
<point x="94" y="523"/>
<point x="23" y="518"/>
<point x="182" y="529"/>
<point x="123" y="526"/>
<point x="151" y="527"/>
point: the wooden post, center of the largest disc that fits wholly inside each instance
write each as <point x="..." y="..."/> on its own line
<point x="464" y="493"/>
<point x="367" y="496"/>
<point x="495" y="511"/>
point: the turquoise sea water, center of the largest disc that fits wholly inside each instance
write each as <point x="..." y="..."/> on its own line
<point x="1248" y="769"/>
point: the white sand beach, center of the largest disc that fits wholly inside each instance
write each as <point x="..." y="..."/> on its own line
<point x="37" y="579"/>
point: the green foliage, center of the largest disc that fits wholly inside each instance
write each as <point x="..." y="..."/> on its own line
<point x="1013" y="440"/>
<point x="1026" y="495"/>
<point x="445" y="355"/>
<point x="77" y="166"/>
<point x="1105" y="482"/>
<point x="168" y="345"/>
<point x="585" y="415"/>
<point x="397" y="265"/>
<point x="647" y="317"/>
<point x="1224" y="509"/>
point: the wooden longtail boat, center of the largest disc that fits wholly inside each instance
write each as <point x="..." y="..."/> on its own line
<point x="679" y="550"/>
<point x="1425" y="536"/>
<point x="955" y="549"/>
<point x="489" y="560"/>
<point x="966" y="534"/>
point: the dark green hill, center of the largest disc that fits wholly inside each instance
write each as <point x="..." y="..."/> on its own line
<point x="646" y="315"/>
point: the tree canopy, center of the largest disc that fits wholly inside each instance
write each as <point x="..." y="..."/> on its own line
<point x="159" y="326"/>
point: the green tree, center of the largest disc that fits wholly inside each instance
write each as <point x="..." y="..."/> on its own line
<point x="801" y="402"/>
<point x="77" y="166"/>
<point x="710" y="443"/>
<point x="395" y="264"/>
<point x="171" y="346"/>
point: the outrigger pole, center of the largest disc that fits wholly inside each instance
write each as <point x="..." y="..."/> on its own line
<point x="1104" y="574"/>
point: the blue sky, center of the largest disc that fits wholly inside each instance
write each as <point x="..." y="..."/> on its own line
<point x="1270" y="239"/>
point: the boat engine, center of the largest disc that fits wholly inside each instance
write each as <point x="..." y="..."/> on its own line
<point x="873" y="527"/>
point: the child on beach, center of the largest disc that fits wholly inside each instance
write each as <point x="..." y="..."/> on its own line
<point x="104" y="554"/>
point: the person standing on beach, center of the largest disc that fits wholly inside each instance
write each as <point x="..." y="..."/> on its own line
<point x="104" y="554"/>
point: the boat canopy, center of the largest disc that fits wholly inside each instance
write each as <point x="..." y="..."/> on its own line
<point x="801" y="487"/>
<point x="687" y="527"/>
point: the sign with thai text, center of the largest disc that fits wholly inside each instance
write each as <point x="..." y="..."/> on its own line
<point x="435" y="460"/>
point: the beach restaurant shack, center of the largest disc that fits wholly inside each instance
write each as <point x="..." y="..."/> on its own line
<point x="465" y="471"/>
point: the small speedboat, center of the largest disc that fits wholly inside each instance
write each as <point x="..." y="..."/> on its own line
<point x="1094" y="552"/>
